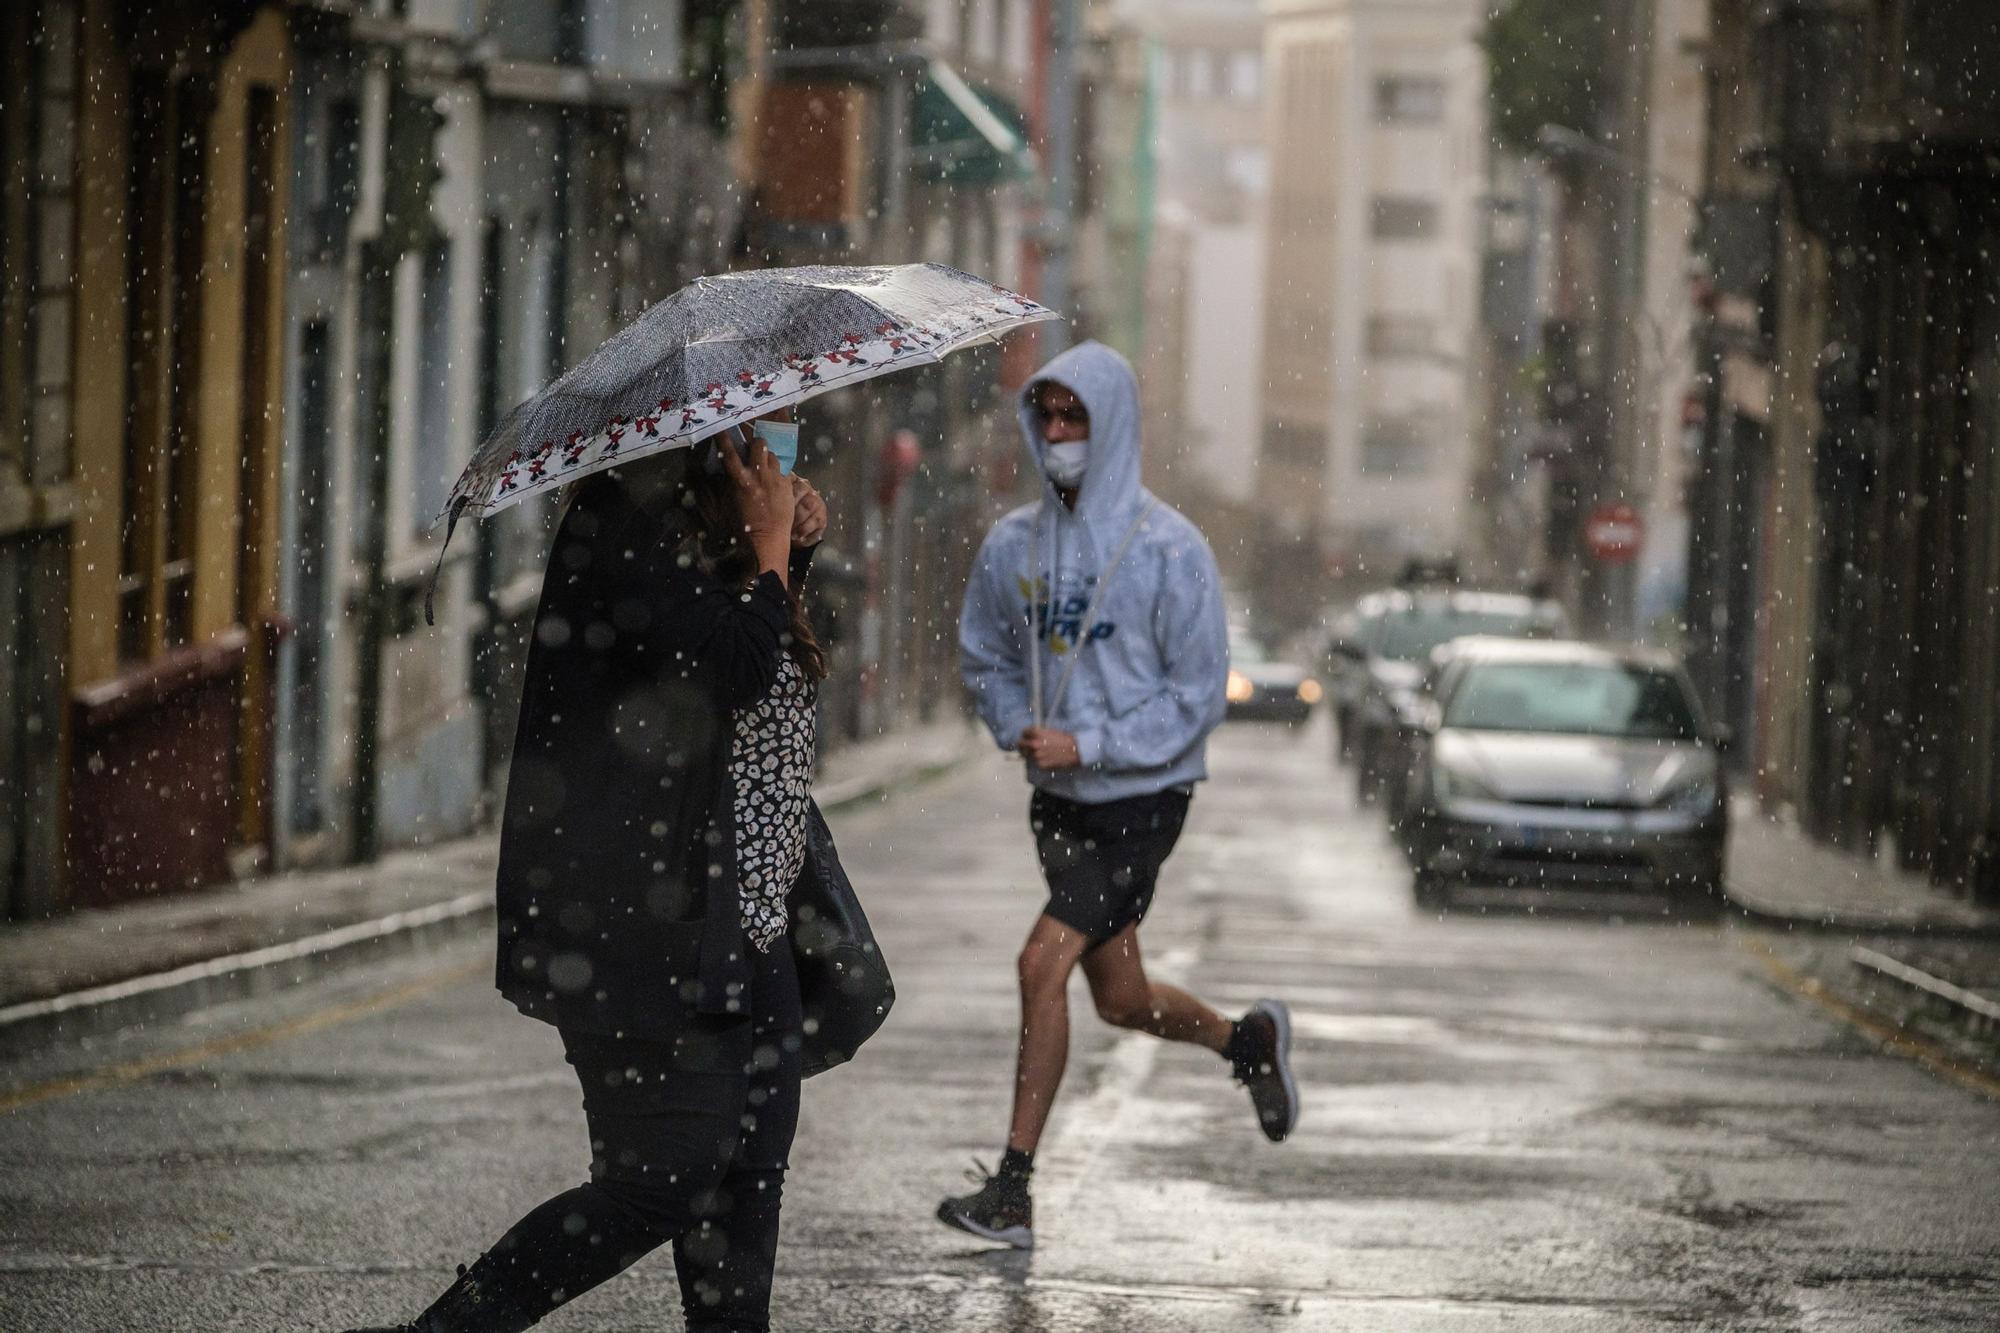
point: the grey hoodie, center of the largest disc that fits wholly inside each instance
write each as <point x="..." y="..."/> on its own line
<point x="1147" y="684"/>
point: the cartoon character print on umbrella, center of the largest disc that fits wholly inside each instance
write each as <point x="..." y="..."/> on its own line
<point x="573" y="451"/>
<point x="538" y="462"/>
<point x="848" y="352"/>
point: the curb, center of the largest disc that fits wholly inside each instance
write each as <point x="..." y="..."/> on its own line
<point x="1763" y="914"/>
<point x="99" y="1010"/>
<point x="1978" y="1012"/>
<point x="182" y="990"/>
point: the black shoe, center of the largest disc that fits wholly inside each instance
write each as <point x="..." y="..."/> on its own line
<point x="999" y="1210"/>
<point x="1262" y="1058"/>
<point x="473" y="1303"/>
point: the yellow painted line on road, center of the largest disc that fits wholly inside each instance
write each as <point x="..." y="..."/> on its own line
<point x="1894" y="1039"/>
<point x="134" y="1070"/>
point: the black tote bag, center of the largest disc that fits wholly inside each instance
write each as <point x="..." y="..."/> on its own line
<point x="844" y="984"/>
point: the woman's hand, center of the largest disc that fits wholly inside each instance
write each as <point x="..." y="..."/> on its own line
<point x="808" y="514"/>
<point x="764" y="499"/>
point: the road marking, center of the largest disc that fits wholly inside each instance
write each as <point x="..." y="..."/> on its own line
<point x="134" y="1070"/>
<point x="1269" y="1300"/>
<point x="1892" y="1038"/>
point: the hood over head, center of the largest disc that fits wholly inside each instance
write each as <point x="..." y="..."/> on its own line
<point x="1103" y="381"/>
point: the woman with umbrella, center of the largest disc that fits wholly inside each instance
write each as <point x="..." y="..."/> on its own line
<point x="664" y="756"/>
<point x="658" y="808"/>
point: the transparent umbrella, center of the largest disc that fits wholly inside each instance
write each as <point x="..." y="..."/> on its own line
<point x="727" y="349"/>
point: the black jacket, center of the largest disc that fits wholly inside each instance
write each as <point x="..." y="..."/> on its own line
<point x="617" y="894"/>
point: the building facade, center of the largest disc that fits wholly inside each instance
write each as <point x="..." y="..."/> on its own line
<point x="486" y="193"/>
<point x="181" y="166"/>
<point x="1377" y="118"/>
<point x="1846" y="543"/>
<point x="1203" y="365"/>
<point x="38" y="490"/>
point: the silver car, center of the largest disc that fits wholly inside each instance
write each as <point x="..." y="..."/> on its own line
<point x="1562" y="763"/>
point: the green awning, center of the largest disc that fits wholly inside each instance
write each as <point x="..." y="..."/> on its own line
<point x="965" y="135"/>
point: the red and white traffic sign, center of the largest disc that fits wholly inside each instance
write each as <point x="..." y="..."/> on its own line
<point x="1613" y="532"/>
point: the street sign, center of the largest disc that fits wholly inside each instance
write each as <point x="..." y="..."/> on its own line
<point x="1613" y="532"/>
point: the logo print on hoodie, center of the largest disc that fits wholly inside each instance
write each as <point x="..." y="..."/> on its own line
<point x="1059" y="621"/>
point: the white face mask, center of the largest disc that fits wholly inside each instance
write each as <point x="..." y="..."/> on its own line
<point x="1065" y="462"/>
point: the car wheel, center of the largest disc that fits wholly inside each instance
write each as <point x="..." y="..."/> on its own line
<point x="1429" y="890"/>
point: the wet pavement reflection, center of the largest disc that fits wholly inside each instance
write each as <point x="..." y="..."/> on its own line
<point x="1551" y="1115"/>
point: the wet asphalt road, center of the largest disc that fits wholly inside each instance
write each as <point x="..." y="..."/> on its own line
<point x="1558" y="1119"/>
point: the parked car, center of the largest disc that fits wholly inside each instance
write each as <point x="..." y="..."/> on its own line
<point x="1377" y="657"/>
<point x="1266" y="688"/>
<point x="1555" y="763"/>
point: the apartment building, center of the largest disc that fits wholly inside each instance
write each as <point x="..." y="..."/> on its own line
<point x="1377" y="126"/>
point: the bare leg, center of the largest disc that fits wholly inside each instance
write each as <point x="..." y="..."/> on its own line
<point x="1047" y="959"/>
<point x="1127" y="998"/>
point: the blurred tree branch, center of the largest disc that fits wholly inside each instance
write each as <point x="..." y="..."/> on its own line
<point x="1545" y="66"/>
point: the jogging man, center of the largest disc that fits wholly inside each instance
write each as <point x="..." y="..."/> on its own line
<point x="1095" y="645"/>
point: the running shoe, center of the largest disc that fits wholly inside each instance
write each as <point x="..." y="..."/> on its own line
<point x="999" y="1210"/>
<point x="1262" y="1063"/>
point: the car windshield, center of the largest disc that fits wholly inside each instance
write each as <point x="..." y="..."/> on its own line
<point x="1409" y="636"/>
<point x="1246" y="651"/>
<point x="1591" y="699"/>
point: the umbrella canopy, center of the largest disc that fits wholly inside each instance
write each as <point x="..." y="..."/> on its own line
<point x="725" y="350"/>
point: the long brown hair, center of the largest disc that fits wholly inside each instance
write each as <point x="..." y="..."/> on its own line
<point x="715" y="538"/>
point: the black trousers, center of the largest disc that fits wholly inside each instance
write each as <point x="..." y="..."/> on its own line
<point x="695" y="1160"/>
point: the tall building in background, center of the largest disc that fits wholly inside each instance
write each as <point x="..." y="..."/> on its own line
<point x="1377" y="116"/>
<point x="1204" y="371"/>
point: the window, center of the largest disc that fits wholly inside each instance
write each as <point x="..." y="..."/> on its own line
<point x="1396" y="218"/>
<point x="1574" y="698"/>
<point x="1400" y="335"/>
<point x="431" y="459"/>
<point x="1394" y="447"/>
<point x="1409" y="99"/>
<point x="255" y="440"/>
<point x="1295" y="444"/>
<point x="165" y="185"/>
<point x="1197" y="75"/>
<point x="1246" y="76"/>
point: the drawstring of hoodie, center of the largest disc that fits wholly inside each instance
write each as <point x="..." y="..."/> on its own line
<point x="1104" y="577"/>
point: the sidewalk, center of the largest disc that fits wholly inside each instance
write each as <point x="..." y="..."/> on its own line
<point x="1778" y="874"/>
<point x="1882" y="939"/>
<point x="95" y="971"/>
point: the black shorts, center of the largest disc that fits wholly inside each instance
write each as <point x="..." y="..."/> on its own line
<point x="1101" y="861"/>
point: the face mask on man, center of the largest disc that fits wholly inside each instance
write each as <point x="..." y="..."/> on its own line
<point x="1065" y="462"/>
<point x="782" y="439"/>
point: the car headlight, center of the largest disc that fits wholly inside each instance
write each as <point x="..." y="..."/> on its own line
<point x="1239" y="690"/>
<point x="1455" y="784"/>
<point x="1310" y="691"/>
<point x="1695" y="796"/>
